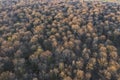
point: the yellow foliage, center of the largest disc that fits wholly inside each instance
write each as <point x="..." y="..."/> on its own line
<point x="9" y="38"/>
<point x="102" y="62"/>
<point x="40" y="50"/>
<point x="80" y="74"/>
<point x="112" y="68"/>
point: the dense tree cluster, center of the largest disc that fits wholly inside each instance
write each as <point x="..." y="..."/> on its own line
<point x="60" y="41"/>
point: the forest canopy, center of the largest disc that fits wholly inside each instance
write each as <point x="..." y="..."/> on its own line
<point x="60" y="41"/>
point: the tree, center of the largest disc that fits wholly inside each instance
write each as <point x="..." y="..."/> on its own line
<point x="7" y="76"/>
